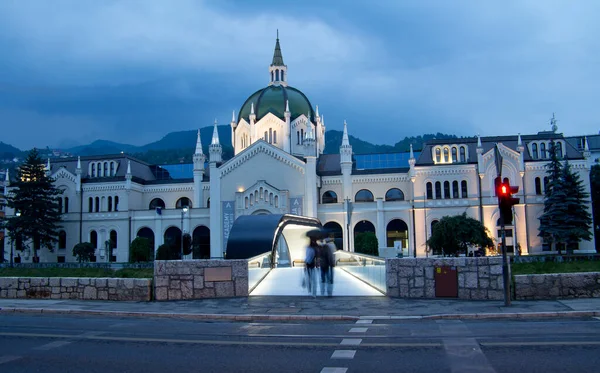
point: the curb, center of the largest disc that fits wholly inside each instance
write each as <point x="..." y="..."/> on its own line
<point x="265" y="317"/>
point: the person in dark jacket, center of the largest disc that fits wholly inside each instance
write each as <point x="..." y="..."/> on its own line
<point x="326" y="263"/>
<point x="310" y="263"/>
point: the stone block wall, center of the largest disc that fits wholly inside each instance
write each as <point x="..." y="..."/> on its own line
<point x="478" y="278"/>
<point x="127" y="289"/>
<point x="200" y="279"/>
<point x="558" y="285"/>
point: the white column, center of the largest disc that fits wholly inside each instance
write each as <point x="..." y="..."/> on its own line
<point x="381" y="233"/>
<point x="158" y="235"/>
<point x="216" y="234"/>
<point x="310" y="187"/>
<point x="198" y="197"/>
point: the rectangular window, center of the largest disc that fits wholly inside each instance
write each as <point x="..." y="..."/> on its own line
<point x="509" y="233"/>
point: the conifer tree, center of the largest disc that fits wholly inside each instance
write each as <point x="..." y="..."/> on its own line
<point x="553" y="222"/>
<point x="578" y="217"/>
<point x="34" y="200"/>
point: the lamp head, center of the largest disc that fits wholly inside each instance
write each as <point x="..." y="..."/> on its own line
<point x="185" y="209"/>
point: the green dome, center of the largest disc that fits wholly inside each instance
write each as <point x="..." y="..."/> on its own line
<point x="272" y="100"/>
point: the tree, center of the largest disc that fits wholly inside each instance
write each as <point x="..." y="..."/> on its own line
<point x="83" y="251"/>
<point x="140" y="250"/>
<point x="168" y="252"/>
<point x="366" y="243"/>
<point x="595" y="186"/>
<point x="453" y="235"/>
<point x="34" y="200"/>
<point x="579" y="219"/>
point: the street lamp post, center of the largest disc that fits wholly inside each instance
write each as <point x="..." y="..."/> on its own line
<point x="12" y="252"/>
<point x="183" y="212"/>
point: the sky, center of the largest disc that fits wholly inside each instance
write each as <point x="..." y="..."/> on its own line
<point x="131" y="71"/>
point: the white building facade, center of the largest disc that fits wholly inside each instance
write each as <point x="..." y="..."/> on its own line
<point x="279" y="167"/>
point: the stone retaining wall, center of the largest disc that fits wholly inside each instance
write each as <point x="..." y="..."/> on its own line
<point x="478" y="278"/>
<point x="558" y="285"/>
<point x="199" y="279"/>
<point x="128" y="289"/>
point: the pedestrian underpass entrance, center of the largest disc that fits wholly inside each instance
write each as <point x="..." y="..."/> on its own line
<point x="275" y="246"/>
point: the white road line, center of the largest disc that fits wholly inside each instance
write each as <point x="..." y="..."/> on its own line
<point x="358" y="330"/>
<point x="6" y="359"/>
<point x="364" y="321"/>
<point x="351" y="342"/>
<point x="51" y="345"/>
<point x="343" y="354"/>
<point x="597" y="318"/>
<point x="463" y="351"/>
<point x="334" y="370"/>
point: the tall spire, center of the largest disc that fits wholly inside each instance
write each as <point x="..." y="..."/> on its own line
<point x="586" y="147"/>
<point x="128" y="167"/>
<point x="233" y="116"/>
<point x="198" y="144"/>
<point x="7" y="178"/>
<point x="519" y="141"/>
<point x="479" y="141"/>
<point x="412" y="154"/>
<point x="252" y="108"/>
<point x="78" y="162"/>
<point x="215" y="136"/>
<point x="277" y="57"/>
<point x="48" y="165"/>
<point x="287" y="105"/>
<point x="345" y="140"/>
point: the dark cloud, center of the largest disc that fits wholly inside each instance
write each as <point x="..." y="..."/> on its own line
<point x="133" y="71"/>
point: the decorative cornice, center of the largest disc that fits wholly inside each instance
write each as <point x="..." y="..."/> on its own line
<point x="504" y="151"/>
<point x="362" y="179"/>
<point x="270" y="118"/>
<point x="62" y="173"/>
<point x="103" y="188"/>
<point x="445" y="170"/>
<point x="255" y="149"/>
<point x="302" y="119"/>
<point x="331" y="181"/>
<point x="169" y="188"/>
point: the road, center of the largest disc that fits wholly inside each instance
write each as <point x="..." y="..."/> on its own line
<point x="46" y="343"/>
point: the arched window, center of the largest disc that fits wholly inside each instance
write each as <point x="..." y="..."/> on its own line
<point x="201" y="243"/>
<point x="463" y="154"/>
<point x="329" y="197"/>
<point x="274" y="137"/>
<point x="94" y="239"/>
<point x="446" y="155"/>
<point x="266" y="136"/>
<point x="66" y="205"/>
<point x="433" y="223"/>
<point x="438" y="190"/>
<point x="301" y="136"/>
<point x="156" y="203"/>
<point x="446" y="189"/>
<point x="534" y="151"/>
<point x="364" y="195"/>
<point x="454" y="158"/>
<point x="338" y="234"/>
<point x="112" y="168"/>
<point x="538" y="186"/>
<point x="106" y="169"/>
<point x="282" y="75"/>
<point x="90" y="204"/>
<point x="266" y="195"/>
<point x="394" y="194"/>
<point x="397" y="230"/>
<point x="93" y="170"/>
<point x="272" y="75"/>
<point x="97" y="204"/>
<point x="113" y="246"/>
<point x="183" y="202"/>
<point x="270" y="135"/>
<point x="271" y="198"/>
<point x="208" y="203"/>
<point x="464" y="190"/>
<point x="256" y="195"/>
<point x="543" y="150"/>
<point x="438" y="155"/>
<point x="559" y="151"/>
<point x="276" y="74"/>
<point x="261" y="193"/>
<point x="116" y="203"/>
<point x="298" y="137"/>
<point x="59" y="205"/>
<point x="276" y="201"/>
<point x="148" y="234"/>
<point x="246" y="202"/>
<point x="455" y="189"/>
<point x="62" y="239"/>
<point x="363" y="226"/>
<point x="251" y="199"/>
<point x="429" y="188"/>
<point x="109" y="203"/>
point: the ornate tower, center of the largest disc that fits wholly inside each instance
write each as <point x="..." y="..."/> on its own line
<point x="277" y="69"/>
<point x="199" y="159"/>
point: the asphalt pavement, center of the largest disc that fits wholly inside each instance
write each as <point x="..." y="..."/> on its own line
<point x="76" y="343"/>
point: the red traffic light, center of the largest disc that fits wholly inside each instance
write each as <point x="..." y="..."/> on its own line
<point x="504" y="189"/>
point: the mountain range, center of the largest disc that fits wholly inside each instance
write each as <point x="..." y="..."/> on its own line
<point x="178" y="147"/>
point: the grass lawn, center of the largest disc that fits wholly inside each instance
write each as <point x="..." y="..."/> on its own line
<point x="77" y="272"/>
<point x="550" y="267"/>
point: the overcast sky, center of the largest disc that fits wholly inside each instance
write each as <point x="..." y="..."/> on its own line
<point x="131" y="71"/>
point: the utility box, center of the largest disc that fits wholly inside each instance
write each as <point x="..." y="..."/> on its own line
<point x="446" y="282"/>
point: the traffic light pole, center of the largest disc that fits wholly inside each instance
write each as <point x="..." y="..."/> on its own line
<point x="505" y="265"/>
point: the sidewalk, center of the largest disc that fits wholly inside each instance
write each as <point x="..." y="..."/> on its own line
<point x="306" y="308"/>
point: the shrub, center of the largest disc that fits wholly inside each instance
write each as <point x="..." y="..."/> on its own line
<point x="366" y="243"/>
<point x="140" y="250"/>
<point x="168" y="252"/>
<point x="83" y="251"/>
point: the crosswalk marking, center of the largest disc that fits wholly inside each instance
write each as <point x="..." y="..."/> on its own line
<point x="343" y="354"/>
<point x="358" y="330"/>
<point x="6" y="359"/>
<point x="351" y="342"/>
<point x="364" y="321"/>
<point x="334" y="370"/>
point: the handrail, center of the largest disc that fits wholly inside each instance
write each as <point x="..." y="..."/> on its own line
<point x="258" y="256"/>
<point x="360" y="255"/>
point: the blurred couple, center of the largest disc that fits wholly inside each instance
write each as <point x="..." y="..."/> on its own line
<point x="320" y="261"/>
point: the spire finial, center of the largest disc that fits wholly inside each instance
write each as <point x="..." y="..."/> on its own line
<point x="412" y="155"/>
<point x="345" y="139"/>
<point x="277" y="56"/>
<point x="277" y="34"/>
<point x="553" y="124"/>
<point x="252" y="108"/>
<point x="586" y="147"/>
<point x="215" y="136"/>
<point x="198" y="144"/>
<point x="78" y="162"/>
<point x="519" y="141"/>
<point x="287" y="105"/>
<point x="317" y="111"/>
<point x="478" y="141"/>
<point x="7" y="179"/>
<point x="233" y="116"/>
<point x="128" y="167"/>
<point x="48" y="165"/>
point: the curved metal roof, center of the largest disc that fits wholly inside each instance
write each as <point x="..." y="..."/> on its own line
<point x="252" y="235"/>
<point x="272" y="99"/>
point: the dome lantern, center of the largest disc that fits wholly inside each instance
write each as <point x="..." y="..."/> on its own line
<point x="277" y="69"/>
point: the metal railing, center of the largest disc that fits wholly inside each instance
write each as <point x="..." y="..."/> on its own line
<point x="367" y="268"/>
<point x="258" y="268"/>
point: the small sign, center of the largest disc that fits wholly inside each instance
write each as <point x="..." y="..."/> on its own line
<point x="438" y="270"/>
<point x="228" y="212"/>
<point x="296" y="206"/>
